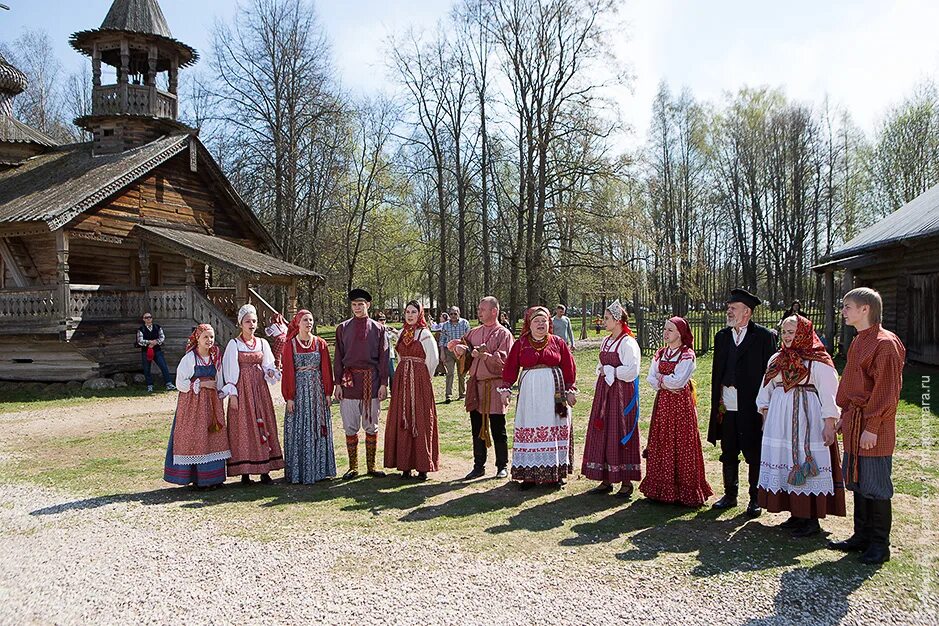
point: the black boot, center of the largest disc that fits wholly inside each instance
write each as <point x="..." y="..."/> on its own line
<point x="808" y="528"/>
<point x="730" y="487"/>
<point x="880" y="514"/>
<point x="860" y="540"/>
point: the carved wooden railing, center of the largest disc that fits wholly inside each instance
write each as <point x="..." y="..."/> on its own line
<point x="97" y="302"/>
<point x="265" y="310"/>
<point x="39" y="303"/>
<point x="205" y="311"/>
<point x="127" y="99"/>
<point x="224" y="298"/>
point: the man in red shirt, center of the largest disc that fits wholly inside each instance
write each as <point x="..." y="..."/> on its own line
<point x="868" y="396"/>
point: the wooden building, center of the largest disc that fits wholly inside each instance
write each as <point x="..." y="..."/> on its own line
<point x="141" y="218"/>
<point x="899" y="257"/>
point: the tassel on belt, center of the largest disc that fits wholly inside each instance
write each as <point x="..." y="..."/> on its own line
<point x="366" y="389"/>
<point x="408" y="363"/>
<point x="809" y="468"/>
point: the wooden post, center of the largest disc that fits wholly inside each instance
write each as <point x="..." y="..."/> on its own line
<point x="706" y="331"/>
<point x="123" y="75"/>
<point x="95" y="67"/>
<point x="292" y="298"/>
<point x="241" y="292"/>
<point x="190" y="274"/>
<point x="143" y="254"/>
<point x="830" y="307"/>
<point x="583" y="316"/>
<point x="62" y="277"/>
<point x="847" y="332"/>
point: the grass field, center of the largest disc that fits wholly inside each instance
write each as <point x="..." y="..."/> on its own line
<point x="104" y="466"/>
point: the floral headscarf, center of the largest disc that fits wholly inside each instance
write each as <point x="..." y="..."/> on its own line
<point x="193" y="342"/>
<point x="531" y="314"/>
<point x="790" y="362"/>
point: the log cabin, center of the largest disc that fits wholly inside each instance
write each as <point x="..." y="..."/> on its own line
<point x="899" y="257"/>
<point x="140" y="218"/>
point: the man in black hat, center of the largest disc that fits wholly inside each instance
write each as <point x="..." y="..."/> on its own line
<point x="741" y="353"/>
<point x="360" y="373"/>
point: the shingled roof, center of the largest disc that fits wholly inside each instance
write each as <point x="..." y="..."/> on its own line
<point x="57" y="186"/>
<point x="916" y="219"/>
<point x="14" y="131"/>
<point x="219" y="252"/>
<point x="144" y="17"/>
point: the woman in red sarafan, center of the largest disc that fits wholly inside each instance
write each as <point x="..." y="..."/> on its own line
<point x="606" y="457"/>
<point x="411" y="441"/>
<point x="674" y="461"/>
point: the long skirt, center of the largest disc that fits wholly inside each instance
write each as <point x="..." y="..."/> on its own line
<point x="202" y="474"/>
<point x="252" y="429"/>
<point x="543" y="446"/>
<point x="605" y="457"/>
<point x="411" y="439"/>
<point x="675" y="462"/>
<point x="784" y="486"/>
<point x="308" y="431"/>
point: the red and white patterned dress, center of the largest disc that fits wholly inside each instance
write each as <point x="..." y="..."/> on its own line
<point x="674" y="461"/>
<point x="542" y="448"/>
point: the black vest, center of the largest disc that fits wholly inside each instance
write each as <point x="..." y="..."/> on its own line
<point x="150" y="335"/>
<point x="730" y="367"/>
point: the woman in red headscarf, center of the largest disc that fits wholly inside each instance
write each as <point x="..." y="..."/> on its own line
<point x="799" y="464"/>
<point x="611" y="450"/>
<point x="674" y="461"/>
<point x="198" y="445"/>
<point x="411" y="442"/>
<point x="306" y="385"/>
<point x="543" y="445"/>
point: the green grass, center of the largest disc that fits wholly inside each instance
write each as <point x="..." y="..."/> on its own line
<point x="687" y="546"/>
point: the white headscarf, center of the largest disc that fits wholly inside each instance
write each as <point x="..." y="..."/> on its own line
<point x="248" y="308"/>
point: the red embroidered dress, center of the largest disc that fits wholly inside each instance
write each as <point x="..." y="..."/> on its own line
<point x="411" y="441"/>
<point x="674" y="461"/>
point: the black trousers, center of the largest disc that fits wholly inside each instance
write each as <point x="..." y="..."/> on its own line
<point x="741" y="432"/>
<point x="499" y="440"/>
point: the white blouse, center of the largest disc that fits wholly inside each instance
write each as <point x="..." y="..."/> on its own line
<point x="186" y="369"/>
<point x="676" y="380"/>
<point x="432" y="357"/>
<point x="231" y="370"/>
<point x="822" y="376"/>
<point x="629" y="358"/>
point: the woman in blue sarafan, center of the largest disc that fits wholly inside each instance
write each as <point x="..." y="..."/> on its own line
<point x="307" y="385"/>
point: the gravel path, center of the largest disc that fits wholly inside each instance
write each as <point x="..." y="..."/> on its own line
<point x="128" y="563"/>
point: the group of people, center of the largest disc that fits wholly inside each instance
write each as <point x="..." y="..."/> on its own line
<point x="780" y="407"/>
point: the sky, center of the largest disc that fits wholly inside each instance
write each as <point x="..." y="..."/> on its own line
<point x="863" y="55"/>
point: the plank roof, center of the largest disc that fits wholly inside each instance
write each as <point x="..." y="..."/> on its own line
<point x="916" y="219"/>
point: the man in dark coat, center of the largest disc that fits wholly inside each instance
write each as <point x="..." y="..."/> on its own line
<point x="741" y="353"/>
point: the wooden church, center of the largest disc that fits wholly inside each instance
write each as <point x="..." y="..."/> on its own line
<point x="141" y="218"/>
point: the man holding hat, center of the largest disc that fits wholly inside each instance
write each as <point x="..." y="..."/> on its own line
<point x="741" y="353"/>
<point x="360" y="372"/>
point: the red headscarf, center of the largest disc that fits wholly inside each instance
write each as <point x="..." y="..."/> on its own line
<point x="684" y="330"/>
<point x="293" y="328"/>
<point x="530" y="314"/>
<point x="409" y="330"/>
<point x="214" y="353"/>
<point x="806" y="346"/>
